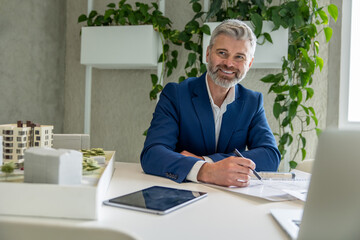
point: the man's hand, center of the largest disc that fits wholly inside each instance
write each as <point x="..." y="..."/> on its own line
<point x="231" y="171"/>
<point x="189" y="154"/>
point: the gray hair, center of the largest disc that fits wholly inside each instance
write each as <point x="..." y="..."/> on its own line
<point x="236" y="29"/>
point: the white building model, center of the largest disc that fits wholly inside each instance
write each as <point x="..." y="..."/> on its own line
<point x="55" y="166"/>
<point x="19" y="137"/>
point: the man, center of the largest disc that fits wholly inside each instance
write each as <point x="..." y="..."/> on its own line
<point x="198" y="123"/>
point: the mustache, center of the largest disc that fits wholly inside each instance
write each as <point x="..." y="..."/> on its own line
<point x="226" y="68"/>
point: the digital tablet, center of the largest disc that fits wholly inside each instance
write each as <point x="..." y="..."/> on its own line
<point x="156" y="199"/>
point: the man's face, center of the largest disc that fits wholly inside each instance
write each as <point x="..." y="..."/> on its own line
<point x="228" y="60"/>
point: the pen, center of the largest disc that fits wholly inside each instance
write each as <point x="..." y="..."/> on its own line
<point x="237" y="153"/>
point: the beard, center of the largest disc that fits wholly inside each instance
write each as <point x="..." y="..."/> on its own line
<point x="224" y="81"/>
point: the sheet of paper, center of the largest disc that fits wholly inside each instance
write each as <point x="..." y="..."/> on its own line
<point x="273" y="190"/>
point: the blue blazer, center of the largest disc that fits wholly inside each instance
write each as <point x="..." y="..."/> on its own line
<point x="183" y="120"/>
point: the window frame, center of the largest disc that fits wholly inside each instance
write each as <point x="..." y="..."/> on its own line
<point x="345" y="68"/>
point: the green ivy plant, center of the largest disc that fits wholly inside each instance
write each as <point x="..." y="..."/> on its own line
<point x="305" y="20"/>
<point x="124" y="14"/>
<point x="191" y="38"/>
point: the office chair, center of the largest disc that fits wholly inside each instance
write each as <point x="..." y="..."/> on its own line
<point x="13" y="230"/>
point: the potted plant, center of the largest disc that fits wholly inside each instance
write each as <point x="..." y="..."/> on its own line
<point x="127" y="37"/>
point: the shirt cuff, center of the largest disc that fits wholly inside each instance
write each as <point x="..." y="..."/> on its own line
<point x="192" y="176"/>
<point x="207" y="159"/>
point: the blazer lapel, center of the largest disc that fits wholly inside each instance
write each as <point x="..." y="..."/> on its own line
<point x="230" y="119"/>
<point x="202" y="106"/>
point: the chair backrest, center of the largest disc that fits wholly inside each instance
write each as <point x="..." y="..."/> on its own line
<point x="71" y="141"/>
<point x="29" y="231"/>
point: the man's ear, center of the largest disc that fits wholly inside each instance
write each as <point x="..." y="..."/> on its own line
<point x="207" y="54"/>
<point x="251" y="62"/>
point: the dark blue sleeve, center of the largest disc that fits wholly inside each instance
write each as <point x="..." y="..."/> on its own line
<point x="159" y="156"/>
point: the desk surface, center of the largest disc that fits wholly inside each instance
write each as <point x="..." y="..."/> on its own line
<point x="221" y="215"/>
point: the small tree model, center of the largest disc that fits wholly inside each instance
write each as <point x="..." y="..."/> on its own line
<point x="8" y="168"/>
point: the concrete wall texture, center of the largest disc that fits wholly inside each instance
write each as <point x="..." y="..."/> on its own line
<point x="32" y="70"/>
<point x="42" y="79"/>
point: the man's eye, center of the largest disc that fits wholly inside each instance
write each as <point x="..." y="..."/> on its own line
<point x="240" y="57"/>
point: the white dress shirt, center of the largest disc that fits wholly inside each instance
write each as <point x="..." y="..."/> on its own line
<point x="218" y="113"/>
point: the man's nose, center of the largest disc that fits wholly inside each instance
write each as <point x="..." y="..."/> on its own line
<point x="228" y="63"/>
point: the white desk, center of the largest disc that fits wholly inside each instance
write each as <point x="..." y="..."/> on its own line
<point x="220" y="216"/>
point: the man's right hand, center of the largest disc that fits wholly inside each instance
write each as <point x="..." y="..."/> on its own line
<point x="231" y="171"/>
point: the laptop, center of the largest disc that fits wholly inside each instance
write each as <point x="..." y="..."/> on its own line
<point x="332" y="208"/>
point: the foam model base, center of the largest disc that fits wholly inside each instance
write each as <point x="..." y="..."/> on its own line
<point x="53" y="200"/>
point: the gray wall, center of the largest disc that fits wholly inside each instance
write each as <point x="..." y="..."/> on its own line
<point x="32" y="48"/>
<point x="45" y="67"/>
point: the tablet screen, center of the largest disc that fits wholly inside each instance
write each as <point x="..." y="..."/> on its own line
<point x="156" y="199"/>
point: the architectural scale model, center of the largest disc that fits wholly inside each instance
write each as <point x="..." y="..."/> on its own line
<point x="1" y="154"/>
<point x="19" y="137"/>
<point x="55" y="166"/>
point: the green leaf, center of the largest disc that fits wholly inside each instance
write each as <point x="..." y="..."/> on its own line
<point x="303" y="140"/>
<point x="293" y="91"/>
<point x="312" y="110"/>
<point x="279" y="98"/>
<point x="268" y="78"/>
<point x="268" y="37"/>
<point x="323" y="16"/>
<point x="319" y="62"/>
<point x="215" y="7"/>
<point x="303" y="152"/>
<point x="285" y="121"/>
<point x="154" y="79"/>
<point x="328" y="33"/>
<point x="318" y="131"/>
<point x="92" y="14"/>
<point x="174" y="54"/>
<point x="82" y="18"/>
<point x="307" y="121"/>
<point x="309" y="93"/>
<point x="271" y="78"/>
<point x="333" y="11"/>
<point x="292" y="109"/>
<point x="316" y="121"/>
<point x="182" y="78"/>
<point x="191" y="59"/>
<point x="305" y="109"/>
<point x="111" y="5"/>
<point x="145" y="132"/>
<point x="293" y="164"/>
<point x="205" y="29"/>
<point x="155" y="5"/>
<point x="317" y="45"/>
<point x="202" y="68"/>
<point x="299" y="21"/>
<point x="183" y="36"/>
<point x="196" y="7"/>
<point x="277" y="110"/>
<point x="256" y="19"/>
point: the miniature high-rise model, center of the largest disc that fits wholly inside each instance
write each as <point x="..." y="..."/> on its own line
<point x="19" y="137"/>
